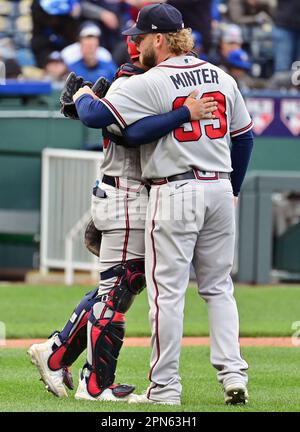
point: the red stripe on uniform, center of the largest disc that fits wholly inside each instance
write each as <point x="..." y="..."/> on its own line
<point x="126" y="238"/>
<point x="156" y="291"/>
<point x="182" y="67"/>
<point x="149" y="391"/>
<point x="115" y="111"/>
<point x="127" y="229"/>
<point x="242" y="130"/>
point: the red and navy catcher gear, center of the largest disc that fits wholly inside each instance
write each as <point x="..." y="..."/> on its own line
<point x="73" y="337"/>
<point x="128" y="70"/>
<point x="107" y="323"/>
<point x="133" y="52"/>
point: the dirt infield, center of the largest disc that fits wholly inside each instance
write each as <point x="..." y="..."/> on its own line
<point x="187" y="341"/>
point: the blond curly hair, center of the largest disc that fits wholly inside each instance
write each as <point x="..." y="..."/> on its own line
<point x="180" y="42"/>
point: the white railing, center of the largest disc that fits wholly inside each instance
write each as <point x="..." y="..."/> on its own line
<point x="68" y="177"/>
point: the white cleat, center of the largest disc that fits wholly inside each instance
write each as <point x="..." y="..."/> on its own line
<point x="108" y="395"/>
<point x="134" y="398"/>
<point x="236" y="394"/>
<point x="53" y="380"/>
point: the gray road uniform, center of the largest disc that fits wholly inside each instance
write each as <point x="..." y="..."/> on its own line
<point x="190" y="215"/>
<point x="119" y="206"/>
<point x="121" y="214"/>
<point x="118" y="210"/>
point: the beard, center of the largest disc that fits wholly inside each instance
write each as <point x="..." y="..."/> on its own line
<point x="148" y="58"/>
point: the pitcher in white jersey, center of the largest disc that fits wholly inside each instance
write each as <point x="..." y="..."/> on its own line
<point x="190" y="170"/>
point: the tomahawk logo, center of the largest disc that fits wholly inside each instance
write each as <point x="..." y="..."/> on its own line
<point x="290" y="115"/>
<point x="262" y="113"/>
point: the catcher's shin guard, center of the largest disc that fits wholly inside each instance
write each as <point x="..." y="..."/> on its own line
<point x="131" y="281"/>
<point x="73" y="338"/>
<point x="107" y="323"/>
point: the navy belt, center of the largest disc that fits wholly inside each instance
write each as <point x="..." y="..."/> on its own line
<point x="190" y="175"/>
<point x="115" y="182"/>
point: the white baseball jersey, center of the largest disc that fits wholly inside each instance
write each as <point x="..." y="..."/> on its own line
<point x="204" y="145"/>
<point x="120" y="161"/>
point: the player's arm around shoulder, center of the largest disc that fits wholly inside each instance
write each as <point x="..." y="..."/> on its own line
<point x="134" y="100"/>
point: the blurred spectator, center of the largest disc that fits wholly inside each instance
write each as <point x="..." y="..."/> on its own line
<point x="87" y="58"/>
<point x="55" y="25"/>
<point x="9" y="63"/>
<point x="230" y="39"/>
<point x="109" y="15"/>
<point x="215" y="12"/>
<point x="7" y="48"/>
<point x="55" y="68"/>
<point x="12" y="69"/>
<point x="250" y="12"/>
<point x="238" y="65"/>
<point x="286" y="34"/>
<point x="197" y="14"/>
<point x="198" y="45"/>
<point x="61" y="7"/>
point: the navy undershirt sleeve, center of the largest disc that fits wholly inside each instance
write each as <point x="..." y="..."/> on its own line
<point x="154" y="127"/>
<point x="240" y="156"/>
<point x="93" y="113"/>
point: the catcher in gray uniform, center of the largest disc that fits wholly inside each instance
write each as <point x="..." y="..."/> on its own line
<point x="119" y="206"/>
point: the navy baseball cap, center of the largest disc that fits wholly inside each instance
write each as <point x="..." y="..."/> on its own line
<point x="239" y="58"/>
<point x="156" y="18"/>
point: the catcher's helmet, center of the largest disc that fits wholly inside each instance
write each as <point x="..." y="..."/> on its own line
<point x="132" y="49"/>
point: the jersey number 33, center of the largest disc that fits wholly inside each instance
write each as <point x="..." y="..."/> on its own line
<point x="211" y="131"/>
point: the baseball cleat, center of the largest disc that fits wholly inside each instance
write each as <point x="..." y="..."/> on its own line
<point x="53" y="380"/>
<point x="114" y="393"/>
<point x="236" y="394"/>
<point x="134" y="398"/>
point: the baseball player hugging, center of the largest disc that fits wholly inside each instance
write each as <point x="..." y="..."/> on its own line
<point x="192" y="136"/>
<point x="119" y="205"/>
<point x="193" y="163"/>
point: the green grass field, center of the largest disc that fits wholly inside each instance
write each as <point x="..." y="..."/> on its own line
<point x="274" y="383"/>
<point x="35" y="311"/>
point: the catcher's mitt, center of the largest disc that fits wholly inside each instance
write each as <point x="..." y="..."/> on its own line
<point x="92" y="238"/>
<point x="101" y="86"/>
<point x="72" y="85"/>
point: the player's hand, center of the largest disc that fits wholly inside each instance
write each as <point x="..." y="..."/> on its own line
<point x="235" y="201"/>
<point x="201" y="108"/>
<point x="82" y="91"/>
